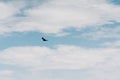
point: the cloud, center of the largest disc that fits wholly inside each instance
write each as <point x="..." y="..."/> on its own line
<point x="7" y="11"/>
<point x="115" y="43"/>
<point x="6" y="75"/>
<point x="61" y="57"/>
<point x="55" y="15"/>
<point x="45" y="63"/>
<point x="6" y="72"/>
<point x="106" y="32"/>
<point x="96" y="63"/>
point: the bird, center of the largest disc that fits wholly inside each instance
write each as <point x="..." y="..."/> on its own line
<point x="43" y="39"/>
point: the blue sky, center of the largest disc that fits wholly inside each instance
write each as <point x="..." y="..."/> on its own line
<point x="83" y="39"/>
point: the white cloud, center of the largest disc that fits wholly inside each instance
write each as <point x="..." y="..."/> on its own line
<point x="6" y="72"/>
<point x="6" y="75"/>
<point x="7" y="11"/>
<point x="103" y="32"/>
<point x="61" y="57"/>
<point x="112" y="44"/>
<point x="99" y="62"/>
<point x="55" y="15"/>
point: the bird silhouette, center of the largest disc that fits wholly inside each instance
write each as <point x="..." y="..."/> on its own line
<point x="43" y="39"/>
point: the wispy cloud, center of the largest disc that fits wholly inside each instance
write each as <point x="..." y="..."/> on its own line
<point x="105" y="32"/>
<point x="62" y="57"/>
<point x="115" y="43"/>
<point x="6" y="72"/>
<point x="6" y="75"/>
<point x="54" y="16"/>
<point x="90" y="19"/>
<point x="7" y="11"/>
<point x="98" y="62"/>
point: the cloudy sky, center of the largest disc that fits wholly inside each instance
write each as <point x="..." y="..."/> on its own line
<point x="84" y="39"/>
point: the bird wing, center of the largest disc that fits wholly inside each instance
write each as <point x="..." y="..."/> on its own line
<point x="44" y="39"/>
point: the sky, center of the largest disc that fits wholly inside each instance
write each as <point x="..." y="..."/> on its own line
<point x="83" y="39"/>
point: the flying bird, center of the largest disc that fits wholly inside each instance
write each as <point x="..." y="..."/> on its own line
<point x="43" y="39"/>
